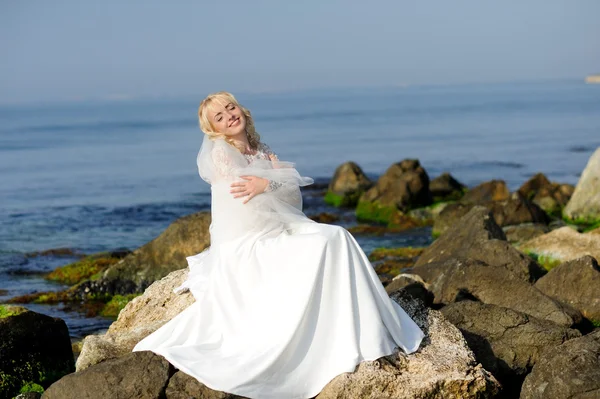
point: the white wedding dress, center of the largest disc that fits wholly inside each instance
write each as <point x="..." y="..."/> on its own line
<point x="283" y="304"/>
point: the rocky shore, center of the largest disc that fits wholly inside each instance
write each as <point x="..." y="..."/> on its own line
<point x="508" y="294"/>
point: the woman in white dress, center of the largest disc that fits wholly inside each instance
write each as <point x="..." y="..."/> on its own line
<point x="282" y="304"/>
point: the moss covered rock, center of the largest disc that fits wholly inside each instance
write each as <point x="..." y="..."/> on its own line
<point x="347" y="185"/>
<point x="35" y="350"/>
<point x="446" y="188"/>
<point x="88" y="267"/>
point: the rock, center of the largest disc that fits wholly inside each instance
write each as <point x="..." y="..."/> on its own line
<point x="515" y="210"/>
<point x="325" y="217"/>
<point x="182" y="386"/>
<point x="570" y="370"/>
<point x="584" y="205"/>
<point x="34" y="348"/>
<point x="136" y="375"/>
<point x="506" y="342"/>
<point x="594" y="231"/>
<point x="29" y="395"/>
<point x="445" y="188"/>
<point x="454" y="279"/>
<point x="477" y="236"/>
<point x="551" y="197"/>
<point x="186" y="236"/>
<point x="493" y="190"/>
<point x="413" y="285"/>
<point x="562" y="245"/>
<point x="347" y="185"/>
<point x="141" y="317"/>
<point x="576" y="283"/>
<point x="444" y="366"/>
<point x="524" y="232"/>
<point x="404" y="186"/>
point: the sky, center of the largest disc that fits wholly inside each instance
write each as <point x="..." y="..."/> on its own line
<point x="80" y="50"/>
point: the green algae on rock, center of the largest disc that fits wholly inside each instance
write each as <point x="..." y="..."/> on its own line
<point x="347" y="185"/>
<point x="86" y="268"/>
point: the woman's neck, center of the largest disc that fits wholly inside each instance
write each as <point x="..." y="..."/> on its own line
<point x="241" y="141"/>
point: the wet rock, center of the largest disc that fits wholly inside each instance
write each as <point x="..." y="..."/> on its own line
<point x="444" y="366"/>
<point x="89" y="267"/>
<point x="135" y="375"/>
<point x="584" y="205"/>
<point x="141" y="317"/>
<point x="453" y="280"/>
<point x="576" y="283"/>
<point x="325" y="217"/>
<point x="446" y="188"/>
<point x="347" y="185"/>
<point x="493" y="190"/>
<point x="34" y="348"/>
<point x="570" y="370"/>
<point x="477" y="236"/>
<point x="186" y="236"/>
<point x="404" y="186"/>
<point x="508" y="343"/>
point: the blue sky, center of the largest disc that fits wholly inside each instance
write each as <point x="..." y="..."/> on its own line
<point x="78" y="50"/>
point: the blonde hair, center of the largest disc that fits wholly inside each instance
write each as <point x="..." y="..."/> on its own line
<point x="224" y="98"/>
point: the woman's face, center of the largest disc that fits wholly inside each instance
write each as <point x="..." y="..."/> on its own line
<point x="227" y="118"/>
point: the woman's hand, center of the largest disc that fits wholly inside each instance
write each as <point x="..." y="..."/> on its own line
<point x="250" y="188"/>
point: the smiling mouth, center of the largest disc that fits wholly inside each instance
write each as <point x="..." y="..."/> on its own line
<point x="234" y="121"/>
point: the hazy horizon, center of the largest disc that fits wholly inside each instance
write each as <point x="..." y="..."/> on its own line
<point x="67" y="51"/>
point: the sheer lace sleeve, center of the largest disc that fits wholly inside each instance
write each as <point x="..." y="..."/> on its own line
<point x="224" y="165"/>
<point x="265" y="149"/>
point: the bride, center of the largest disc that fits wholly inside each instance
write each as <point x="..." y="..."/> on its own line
<point x="282" y="304"/>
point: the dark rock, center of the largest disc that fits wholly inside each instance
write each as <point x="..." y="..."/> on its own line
<point x="445" y="187"/>
<point x="182" y="386"/>
<point x="494" y="190"/>
<point x="34" y="348"/>
<point x="29" y="395"/>
<point x="506" y="342"/>
<point x="570" y="370"/>
<point x="524" y="232"/>
<point x="412" y="288"/>
<point x="576" y="283"/>
<point x="325" y="217"/>
<point x="136" y="375"/>
<point x="551" y="197"/>
<point x="453" y="280"/>
<point x="347" y="185"/>
<point x="477" y="236"/>
<point x="186" y="236"/>
<point x="405" y="185"/>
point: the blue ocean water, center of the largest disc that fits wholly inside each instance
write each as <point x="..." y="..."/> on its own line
<point x="97" y="176"/>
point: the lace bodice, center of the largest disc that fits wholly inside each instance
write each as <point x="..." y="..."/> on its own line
<point x="225" y="165"/>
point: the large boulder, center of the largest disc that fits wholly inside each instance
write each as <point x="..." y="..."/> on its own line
<point x="186" y="236"/>
<point x="141" y="317"/>
<point x="576" y="283"/>
<point x="347" y="185"/>
<point x="570" y="370"/>
<point x="454" y="279"/>
<point x="477" y="236"/>
<point x="34" y="348"/>
<point x="444" y="367"/>
<point x="551" y="197"/>
<point x="584" y="205"/>
<point x="137" y="375"/>
<point x="445" y="188"/>
<point x="405" y="185"/>
<point x="506" y="342"/>
<point x="443" y="363"/>
<point x="493" y="190"/>
<point x="562" y="245"/>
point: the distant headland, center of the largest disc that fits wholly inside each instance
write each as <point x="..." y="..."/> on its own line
<point x="593" y="78"/>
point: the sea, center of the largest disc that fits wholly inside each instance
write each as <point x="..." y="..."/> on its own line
<point x="103" y="175"/>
